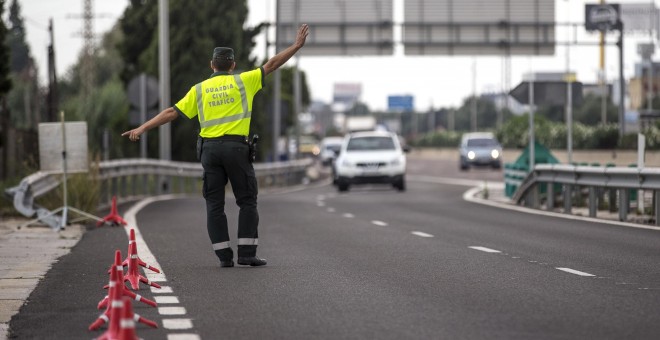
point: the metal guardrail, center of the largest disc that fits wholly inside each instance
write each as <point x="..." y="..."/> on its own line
<point x="549" y="183"/>
<point x="135" y="178"/>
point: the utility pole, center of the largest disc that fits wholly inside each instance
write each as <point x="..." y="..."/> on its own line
<point x="52" y="76"/>
<point x="88" y="75"/>
<point x="277" y="113"/>
<point x="164" y="75"/>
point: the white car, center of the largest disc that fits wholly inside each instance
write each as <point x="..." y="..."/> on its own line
<point x="371" y="157"/>
<point x="330" y="147"/>
<point x="480" y="149"/>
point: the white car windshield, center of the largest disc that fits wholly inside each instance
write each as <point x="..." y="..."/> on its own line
<point x="370" y="143"/>
<point x="481" y="142"/>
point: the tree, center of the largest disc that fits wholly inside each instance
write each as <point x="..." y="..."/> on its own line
<point x="192" y="41"/>
<point x="589" y="112"/>
<point x="5" y="86"/>
<point x="486" y="114"/>
<point x="191" y="45"/>
<point x="5" y="81"/>
<point x="24" y="101"/>
<point x="20" y="51"/>
<point x="107" y="111"/>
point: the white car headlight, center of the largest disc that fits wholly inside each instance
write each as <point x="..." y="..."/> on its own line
<point x="495" y="154"/>
<point x="471" y="154"/>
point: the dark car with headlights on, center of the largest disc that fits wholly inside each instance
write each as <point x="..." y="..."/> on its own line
<point x="480" y="149"/>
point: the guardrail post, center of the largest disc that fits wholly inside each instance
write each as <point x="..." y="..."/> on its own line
<point x="145" y="185"/>
<point x="533" y="197"/>
<point x="180" y="185"/>
<point x="623" y="204"/>
<point x="134" y="185"/>
<point x="656" y="207"/>
<point x="593" y="202"/>
<point x="568" y="204"/>
<point x="122" y="186"/>
<point x="550" y="199"/>
<point x="612" y="199"/>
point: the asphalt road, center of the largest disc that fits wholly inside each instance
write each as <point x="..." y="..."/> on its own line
<point x="374" y="263"/>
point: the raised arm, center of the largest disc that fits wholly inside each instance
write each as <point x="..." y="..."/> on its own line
<point x="279" y="59"/>
<point x="163" y="117"/>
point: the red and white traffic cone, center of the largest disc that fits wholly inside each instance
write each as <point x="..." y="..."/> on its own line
<point x="117" y="287"/>
<point x="115" y="280"/>
<point x="131" y="240"/>
<point x="132" y="275"/>
<point x="115" y="295"/>
<point x="112" y="333"/>
<point x="127" y="324"/>
<point x="112" y="218"/>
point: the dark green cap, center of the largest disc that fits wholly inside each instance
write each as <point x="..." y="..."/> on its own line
<point x="223" y="53"/>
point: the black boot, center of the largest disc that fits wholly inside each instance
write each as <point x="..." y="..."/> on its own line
<point x="251" y="261"/>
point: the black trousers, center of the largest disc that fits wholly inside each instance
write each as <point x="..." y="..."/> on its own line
<point x="227" y="160"/>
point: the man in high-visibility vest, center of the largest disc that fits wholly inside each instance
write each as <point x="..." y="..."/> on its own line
<point x="223" y="105"/>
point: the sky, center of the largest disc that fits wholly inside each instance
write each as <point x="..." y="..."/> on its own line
<point x="434" y="81"/>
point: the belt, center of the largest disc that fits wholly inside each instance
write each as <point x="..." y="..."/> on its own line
<point x="234" y="138"/>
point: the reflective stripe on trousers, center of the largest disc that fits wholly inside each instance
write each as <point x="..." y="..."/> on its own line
<point x="248" y="241"/>
<point x="221" y="245"/>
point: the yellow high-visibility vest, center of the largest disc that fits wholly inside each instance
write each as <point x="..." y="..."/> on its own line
<point x="223" y="103"/>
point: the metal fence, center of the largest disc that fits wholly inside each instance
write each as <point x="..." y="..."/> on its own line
<point x="613" y="189"/>
<point x="137" y="178"/>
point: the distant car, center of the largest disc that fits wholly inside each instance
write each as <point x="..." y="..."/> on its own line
<point x="480" y="149"/>
<point x="370" y="157"/>
<point x="330" y="147"/>
<point x="309" y="146"/>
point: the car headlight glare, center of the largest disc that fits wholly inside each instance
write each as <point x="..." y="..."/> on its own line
<point x="471" y="154"/>
<point x="495" y="154"/>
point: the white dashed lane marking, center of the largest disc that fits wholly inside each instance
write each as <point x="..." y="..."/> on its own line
<point x="177" y="323"/>
<point x="576" y="272"/>
<point x="171" y="310"/>
<point x="162" y="290"/>
<point x="166" y="299"/>
<point x="379" y="223"/>
<point x="183" y="337"/>
<point x="487" y="250"/>
<point x="348" y="215"/>
<point x="331" y="210"/>
<point x="421" y="234"/>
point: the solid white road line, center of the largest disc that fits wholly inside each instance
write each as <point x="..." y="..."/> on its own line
<point x="576" y="272"/>
<point x="177" y="323"/>
<point x="143" y="250"/>
<point x="348" y="215"/>
<point x="171" y="310"/>
<point x="487" y="250"/>
<point x="166" y="299"/>
<point x="471" y="196"/>
<point x="421" y="234"/>
<point x="380" y="223"/>
<point x="147" y="256"/>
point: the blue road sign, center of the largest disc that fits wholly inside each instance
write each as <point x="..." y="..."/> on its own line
<point x="400" y="103"/>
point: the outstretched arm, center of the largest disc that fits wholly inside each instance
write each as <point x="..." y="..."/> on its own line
<point x="164" y="117"/>
<point x="279" y="59"/>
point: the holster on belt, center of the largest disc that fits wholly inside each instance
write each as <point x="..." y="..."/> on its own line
<point x="253" y="148"/>
<point x="200" y="142"/>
